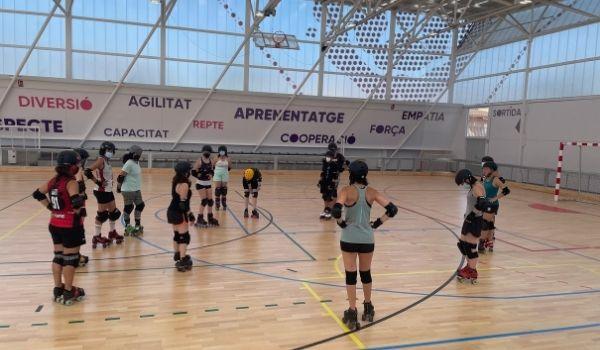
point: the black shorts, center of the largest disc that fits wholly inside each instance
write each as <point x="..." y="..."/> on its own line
<point x="254" y="184"/>
<point x="357" y="247"/>
<point x="104" y="197"/>
<point x="473" y="226"/>
<point x="175" y="217"/>
<point x="329" y="191"/>
<point x="69" y="237"/>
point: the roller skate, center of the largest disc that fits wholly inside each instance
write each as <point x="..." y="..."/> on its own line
<point x="139" y="230"/>
<point x="58" y="292"/>
<point x="350" y="319"/>
<point x="255" y="214"/>
<point x="103" y="241"/>
<point x="176" y="256"/>
<point x="323" y="215"/>
<point x="467" y="274"/>
<point x="129" y="231"/>
<point x="113" y="235"/>
<point x="481" y="246"/>
<point x="200" y="222"/>
<point x="369" y="312"/>
<point x="246" y="213"/>
<point x="71" y="296"/>
<point x="83" y="260"/>
<point x="490" y="245"/>
<point x="212" y="222"/>
<point x="184" y="264"/>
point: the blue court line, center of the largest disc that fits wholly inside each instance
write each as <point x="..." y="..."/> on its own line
<point x="488" y="336"/>
<point x="294" y="241"/>
<point x="238" y="221"/>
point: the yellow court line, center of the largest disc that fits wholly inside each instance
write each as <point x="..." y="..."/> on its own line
<point x="336" y="266"/>
<point x="25" y="222"/>
<point x="330" y="312"/>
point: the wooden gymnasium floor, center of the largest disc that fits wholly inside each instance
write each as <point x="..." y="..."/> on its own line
<point x="277" y="283"/>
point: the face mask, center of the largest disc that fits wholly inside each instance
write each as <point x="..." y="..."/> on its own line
<point x="221" y="153"/>
<point x="328" y="159"/>
<point x="466" y="186"/>
<point x="206" y="154"/>
<point x="108" y="155"/>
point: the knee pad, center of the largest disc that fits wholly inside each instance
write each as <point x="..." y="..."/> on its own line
<point x="217" y="191"/>
<point x="224" y="191"/>
<point x="471" y="250"/>
<point x="102" y="216"/>
<point x="71" y="260"/>
<point x="247" y="194"/>
<point x="175" y="236"/>
<point x="204" y="202"/>
<point x="327" y="197"/>
<point x="365" y="277"/>
<point x="487" y="225"/>
<point x="255" y="194"/>
<point x="140" y="207"/>
<point x="128" y="208"/>
<point x="351" y="278"/>
<point x="58" y="258"/>
<point x="210" y="202"/>
<point x="461" y="247"/>
<point x="114" y="215"/>
<point x="183" y="238"/>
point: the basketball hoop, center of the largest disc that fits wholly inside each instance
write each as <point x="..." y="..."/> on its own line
<point x="279" y="38"/>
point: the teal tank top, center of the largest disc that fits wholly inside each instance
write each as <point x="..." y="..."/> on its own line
<point x="358" y="219"/>
<point x="491" y="191"/>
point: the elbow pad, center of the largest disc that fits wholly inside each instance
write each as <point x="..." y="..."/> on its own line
<point x="391" y="210"/>
<point x="88" y="173"/>
<point x="195" y="173"/>
<point x="39" y="195"/>
<point x="336" y="211"/>
<point x="506" y="191"/>
<point x="77" y="201"/>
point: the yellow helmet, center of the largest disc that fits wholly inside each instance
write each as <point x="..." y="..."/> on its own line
<point x="248" y="174"/>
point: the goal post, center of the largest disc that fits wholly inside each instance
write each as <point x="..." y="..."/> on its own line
<point x="560" y="170"/>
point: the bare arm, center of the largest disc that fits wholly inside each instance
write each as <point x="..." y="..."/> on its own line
<point x="390" y="209"/>
<point x="502" y="188"/>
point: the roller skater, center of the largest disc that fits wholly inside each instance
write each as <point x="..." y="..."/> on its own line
<point x="180" y="216"/>
<point x="495" y="188"/>
<point x="66" y="225"/>
<point x="221" y="178"/>
<point x="129" y="185"/>
<point x="80" y="177"/>
<point x="333" y="165"/>
<point x="101" y="174"/>
<point x="203" y="170"/>
<point x="477" y="204"/>
<point x="251" y="182"/>
<point x="357" y="239"/>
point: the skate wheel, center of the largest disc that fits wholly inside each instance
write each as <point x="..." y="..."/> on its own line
<point x="94" y="246"/>
<point x="126" y="234"/>
<point x="474" y="281"/>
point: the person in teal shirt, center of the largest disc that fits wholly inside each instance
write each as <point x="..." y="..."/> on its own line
<point x="357" y="239"/>
<point x="129" y="184"/>
<point x="495" y="188"/>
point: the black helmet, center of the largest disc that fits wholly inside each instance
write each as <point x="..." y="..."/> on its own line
<point x="358" y="170"/>
<point x="330" y="154"/>
<point x="183" y="168"/>
<point x="464" y="175"/>
<point x="69" y="157"/>
<point x="83" y="154"/>
<point x="486" y="159"/>
<point x="332" y="146"/>
<point x="490" y="165"/>
<point x="135" y="150"/>
<point x="107" y="146"/>
<point x="222" y="149"/>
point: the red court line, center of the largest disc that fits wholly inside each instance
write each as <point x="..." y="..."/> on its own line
<point x="544" y="250"/>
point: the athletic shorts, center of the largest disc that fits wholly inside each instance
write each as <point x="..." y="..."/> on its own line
<point x="104" y="197"/>
<point x="133" y="197"/>
<point x="69" y="237"/>
<point x="473" y="226"/>
<point x="175" y="217"/>
<point x="357" y="247"/>
<point x="203" y="184"/>
<point x="254" y="185"/>
<point x="221" y="175"/>
<point x="329" y="191"/>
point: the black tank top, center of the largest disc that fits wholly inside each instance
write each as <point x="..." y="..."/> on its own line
<point x="205" y="171"/>
<point x="175" y="198"/>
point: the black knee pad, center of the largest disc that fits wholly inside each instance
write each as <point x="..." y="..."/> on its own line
<point x="487" y="225"/>
<point x="175" y="236"/>
<point x="217" y="191"/>
<point x="461" y="247"/>
<point x="365" y="277"/>
<point x="128" y="208"/>
<point x="255" y="194"/>
<point x="71" y="260"/>
<point x="140" y="207"/>
<point x="327" y="197"/>
<point x="102" y="216"/>
<point x="471" y="250"/>
<point x="224" y="191"/>
<point x="247" y="194"/>
<point x="114" y="215"/>
<point x="204" y="202"/>
<point x="58" y="258"/>
<point x="351" y="278"/>
<point x="183" y="238"/>
<point x="210" y="202"/>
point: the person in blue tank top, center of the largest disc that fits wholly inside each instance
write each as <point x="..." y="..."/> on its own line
<point x="495" y="188"/>
<point x="357" y="237"/>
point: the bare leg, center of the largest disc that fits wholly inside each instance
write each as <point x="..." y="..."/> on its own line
<point x="364" y="264"/>
<point x="350" y="266"/>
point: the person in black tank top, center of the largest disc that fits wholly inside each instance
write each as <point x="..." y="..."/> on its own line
<point x="204" y="170"/>
<point x="180" y="216"/>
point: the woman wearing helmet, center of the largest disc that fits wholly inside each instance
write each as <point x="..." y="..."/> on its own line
<point x="221" y="177"/>
<point x="357" y="237"/>
<point x="203" y="170"/>
<point x="180" y="216"/>
<point x="495" y="188"/>
<point x="80" y="177"/>
<point x="129" y="184"/>
<point x="252" y="181"/>
<point x="66" y="225"/>
<point x="477" y="204"/>
<point x="101" y="174"/>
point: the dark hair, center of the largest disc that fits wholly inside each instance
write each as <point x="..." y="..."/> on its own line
<point x="362" y="181"/>
<point x="63" y="170"/>
<point x="179" y="178"/>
